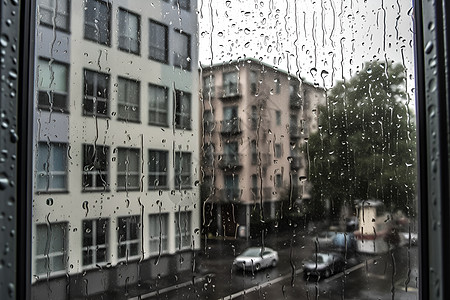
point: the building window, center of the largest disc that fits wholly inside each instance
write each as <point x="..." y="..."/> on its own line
<point x="54" y="13"/>
<point x="183" y="170"/>
<point x="208" y="121"/>
<point x="254" y="152"/>
<point x="232" y="191"/>
<point x="253" y="82"/>
<point x="254" y="117"/>
<point x="184" y="4"/>
<point x="128" y="236"/>
<point x="157" y="169"/>
<point x="183" y="230"/>
<point x="158" y="41"/>
<point x="96" y="93"/>
<point x="95" y="168"/>
<point x="51" y="247"/>
<point x="230" y="84"/>
<point x="128" y="174"/>
<point x="278" y="150"/>
<point x="277" y="85"/>
<point x="158" y="105"/>
<point x="255" y="190"/>
<point x="209" y="87"/>
<point x="95" y="247"/>
<point x="183" y="110"/>
<point x="128" y="102"/>
<point x="208" y="154"/>
<point x="159" y="232"/>
<point x="51" y="169"/>
<point x="52" y="85"/>
<point x="278" y="117"/>
<point x="278" y="181"/>
<point x="97" y="21"/>
<point x="129" y="31"/>
<point x="182" y="50"/>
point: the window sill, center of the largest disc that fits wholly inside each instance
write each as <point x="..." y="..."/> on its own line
<point x="96" y="190"/>
<point x="160" y="188"/>
<point x="158" y="125"/>
<point x="96" y="116"/>
<point x="54" y="110"/>
<point x="188" y="69"/>
<point x="130" y="189"/>
<point x="185" y="128"/>
<point x="53" y="275"/>
<point x="166" y="62"/>
<point x="50" y="26"/>
<point x="97" y="42"/>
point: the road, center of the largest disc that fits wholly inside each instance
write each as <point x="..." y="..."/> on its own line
<point x="393" y="275"/>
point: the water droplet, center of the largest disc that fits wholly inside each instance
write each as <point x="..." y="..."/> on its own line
<point x="429" y="47"/>
<point x="4" y="181"/>
<point x="49" y="201"/>
<point x="4" y="40"/>
<point x="247" y="44"/>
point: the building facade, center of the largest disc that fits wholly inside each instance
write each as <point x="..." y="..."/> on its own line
<point x="256" y="123"/>
<point x="116" y="145"/>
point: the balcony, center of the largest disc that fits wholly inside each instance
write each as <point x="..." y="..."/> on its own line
<point x="230" y="91"/>
<point x="230" y="161"/>
<point x="231" y="127"/>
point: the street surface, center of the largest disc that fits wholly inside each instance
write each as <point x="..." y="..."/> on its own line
<point x="393" y="275"/>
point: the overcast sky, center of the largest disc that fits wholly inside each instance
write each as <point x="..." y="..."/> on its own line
<point x="320" y="41"/>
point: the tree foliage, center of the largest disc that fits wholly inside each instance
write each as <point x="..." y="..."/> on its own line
<point x="365" y="145"/>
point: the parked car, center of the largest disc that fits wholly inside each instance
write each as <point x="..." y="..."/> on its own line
<point x="345" y="242"/>
<point x="323" y="265"/>
<point x="325" y="239"/>
<point x="256" y="258"/>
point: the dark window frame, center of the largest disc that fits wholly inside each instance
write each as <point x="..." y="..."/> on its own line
<point x="107" y="100"/>
<point x="138" y="34"/>
<point x="50" y="25"/>
<point x="97" y="39"/>
<point x="166" y="42"/>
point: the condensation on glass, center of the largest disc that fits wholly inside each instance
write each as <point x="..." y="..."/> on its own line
<point x="172" y="136"/>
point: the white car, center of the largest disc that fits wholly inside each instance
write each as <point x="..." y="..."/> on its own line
<point x="256" y="258"/>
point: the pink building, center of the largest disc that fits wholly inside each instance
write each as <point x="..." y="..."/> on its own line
<point x="256" y="119"/>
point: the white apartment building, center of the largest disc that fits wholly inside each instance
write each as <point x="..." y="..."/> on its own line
<point x="116" y="197"/>
<point x="256" y="119"/>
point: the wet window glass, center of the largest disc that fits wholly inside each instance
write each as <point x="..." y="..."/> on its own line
<point x="224" y="149"/>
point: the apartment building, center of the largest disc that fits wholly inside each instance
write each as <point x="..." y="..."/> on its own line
<point x="256" y="122"/>
<point x="116" y="147"/>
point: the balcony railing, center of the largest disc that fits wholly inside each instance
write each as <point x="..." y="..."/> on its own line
<point x="230" y="161"/>
<point x="231" y="127"/>
<point x="230" y="91"/>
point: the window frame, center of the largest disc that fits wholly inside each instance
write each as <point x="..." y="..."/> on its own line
<point x="180" y="116"/>
<point x="50" y="173"/>
<point x="95" y="172"/>
<point x="138" y="33"/>
<point x="166" y="42"/>
<point x="160" y="236"/>
<point x="183" y="232"/>
<point x="178" y="58"/>
<point x="53" y="9"/>
<point x="106" y="100"/>
<point x="50" y="255"/>
<point x="98" y="38"/>
<point x="52" y="91"/>
<point x="158" y="173"/>
<point x="126" y="103"/>
<point x="95" y="246"/>
<point x="157" y="110"/>
<point x="128" y="242"/>
<point x="126" y="172"/>
<point x="182" y="175"/>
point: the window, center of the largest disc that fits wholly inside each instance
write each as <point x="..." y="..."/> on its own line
<point x="231" y="122"/>
<point x="255" y="186"/>
<point x="128" y="233"/>
<point x="208" y="121"/>
<point x="128" y="169"/>
<point x="232" y="191"/>
<point x="277" y="85"/>
<point x="96" y="94"/>
<point x="182" y="50"/>
<point x="230" y="84"/>
<point x="129" y="31"/>
<point x="183" y="170"/>
<point x="278" y="150"/>
<point x="253" y="82"/>
<point x="183" y="110"/>
<point x="159" y="233"/>
<point x="184" y="4"/>
<point x="254" y="117"/>
<point x="158" y="105"/>
<point x="209" y="87"/>
<point x="97" y="18"/>
<point x="208" y="154"/>
<point x="55" y="12"/>
<point x="254" y="153"/>
<point x="95" y="168"/>
<point x="183" y="230"/>
<point x="95" y="241"/>
<point x="52" y="87"/>
<point x="51" y="167"/>
<point x="128" y="102"/>
<point x="157" y="169"/>
<point x="278" y="117"/>
<point x="278" y="181"/>
<point x="158" y="45"/>
<point x="51" y="247"/>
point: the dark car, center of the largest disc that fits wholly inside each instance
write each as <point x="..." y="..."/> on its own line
<point x="323" y="265"/>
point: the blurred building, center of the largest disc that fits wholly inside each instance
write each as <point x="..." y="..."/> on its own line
<point x="116" y="145"/>
<point x="256" y="123"/>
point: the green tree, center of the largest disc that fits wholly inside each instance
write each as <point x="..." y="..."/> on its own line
<point x="365" y="145"/>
